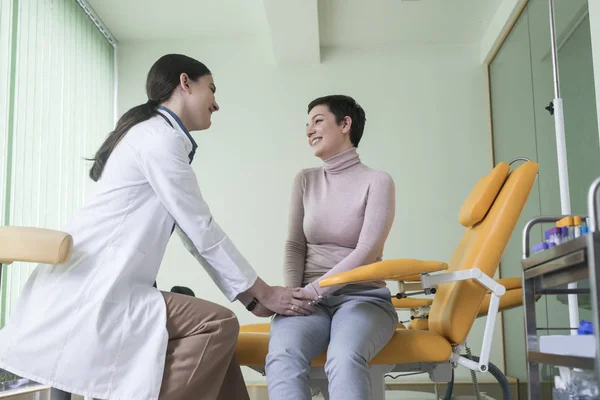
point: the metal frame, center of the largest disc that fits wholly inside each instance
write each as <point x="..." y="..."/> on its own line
<point x="542" y="273"/>
<point x="497" y="290"/>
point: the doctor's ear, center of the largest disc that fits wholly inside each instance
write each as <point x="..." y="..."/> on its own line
<point x="184" y="80"/>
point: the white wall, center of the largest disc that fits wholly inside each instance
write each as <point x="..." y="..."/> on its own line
<point x="507" y="12"/>
<point x="426" y="125"/>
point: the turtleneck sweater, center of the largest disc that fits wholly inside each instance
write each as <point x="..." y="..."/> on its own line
<point x="340" y="217"/>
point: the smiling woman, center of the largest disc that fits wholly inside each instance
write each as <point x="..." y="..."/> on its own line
<point x="164" y="77"/>
<point x="340" y="218"/>
<point x="335" y="124"/>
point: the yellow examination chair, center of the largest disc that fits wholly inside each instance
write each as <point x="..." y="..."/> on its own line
<point x="32" y="245"/>
<point x="462" y="288"/>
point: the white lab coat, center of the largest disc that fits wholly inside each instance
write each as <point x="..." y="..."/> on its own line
<point x="96" y="326"/>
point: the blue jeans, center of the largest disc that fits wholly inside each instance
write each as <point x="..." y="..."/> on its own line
<point x="354" y="324"/>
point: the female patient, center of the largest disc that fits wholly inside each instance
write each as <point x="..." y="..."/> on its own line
<point x="341" y="214"/>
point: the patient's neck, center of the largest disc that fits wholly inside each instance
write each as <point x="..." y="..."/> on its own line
<point x="342" y="161"/>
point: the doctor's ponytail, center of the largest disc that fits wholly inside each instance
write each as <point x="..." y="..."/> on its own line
<point x="162" y="80"/>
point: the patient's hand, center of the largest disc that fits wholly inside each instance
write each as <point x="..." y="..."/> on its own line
<point x="291" y="302"/>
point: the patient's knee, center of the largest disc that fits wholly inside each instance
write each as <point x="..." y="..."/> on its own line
<point x="344" y="360"/>
<point x="285" y="350"/>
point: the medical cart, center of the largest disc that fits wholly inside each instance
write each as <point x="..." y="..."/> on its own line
<point x="548" y="273"/>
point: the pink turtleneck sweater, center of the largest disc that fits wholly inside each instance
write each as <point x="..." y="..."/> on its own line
<point x="340" y="217"/>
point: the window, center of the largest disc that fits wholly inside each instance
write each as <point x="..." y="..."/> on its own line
<point x="58" y="68"/>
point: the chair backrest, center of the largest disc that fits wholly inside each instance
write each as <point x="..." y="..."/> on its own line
<point x="489" y="214"/>
<point x="35" y="245"/>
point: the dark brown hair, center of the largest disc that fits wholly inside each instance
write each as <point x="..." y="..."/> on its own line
<point x="163" y="78"/>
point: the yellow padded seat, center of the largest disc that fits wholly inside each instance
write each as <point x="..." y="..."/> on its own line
<point x="510" y="283"/>
<point x="411" y="302"/>
<point x="511" y="299"/>
<point x="406" y="346"/>
<point x="419" y="325"/>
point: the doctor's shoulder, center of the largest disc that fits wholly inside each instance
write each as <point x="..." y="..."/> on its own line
<point x="156" y="138"/>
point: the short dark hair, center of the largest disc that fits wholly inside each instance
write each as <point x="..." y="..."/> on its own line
<point x="342" y="106"/>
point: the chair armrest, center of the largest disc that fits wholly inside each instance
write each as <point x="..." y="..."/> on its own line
<point x="35" y="245"/>
<point x="388" y="270"/>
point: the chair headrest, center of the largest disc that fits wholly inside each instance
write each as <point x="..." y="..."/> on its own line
<point x="481" y="198"/>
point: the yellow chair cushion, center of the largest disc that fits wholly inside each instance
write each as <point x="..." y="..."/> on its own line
<point x="419" y="325"/>
<point x="256" y="328"/>
<point x="34" y="245"/>
<point x="481" y="198"/>
<point x="510" y="283"/>
<point x="406" y="346"/>
<point x="511" y="299"/>
<point x="411" y="302"/>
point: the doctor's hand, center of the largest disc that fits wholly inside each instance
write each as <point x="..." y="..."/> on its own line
<point x="290" y="302"/>
<point x="282" y="300"/>
<point x="262" y="312"/>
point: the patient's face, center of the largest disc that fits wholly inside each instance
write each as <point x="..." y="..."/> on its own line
<point x="326" y="137"/>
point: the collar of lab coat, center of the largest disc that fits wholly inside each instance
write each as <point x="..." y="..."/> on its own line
<point x="176" y="122"/>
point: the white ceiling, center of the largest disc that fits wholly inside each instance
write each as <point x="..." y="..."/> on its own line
<point x="379" y="22"/>
<point x="299" y="28"/>
<point x="130" y="20"/>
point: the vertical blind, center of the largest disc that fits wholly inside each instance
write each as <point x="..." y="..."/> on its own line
<point x="5" y="79"/>
<point x="60" y="110"/>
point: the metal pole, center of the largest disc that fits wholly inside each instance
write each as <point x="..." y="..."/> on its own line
<point x="554" y="51"/>
<point x="561" y="153"/>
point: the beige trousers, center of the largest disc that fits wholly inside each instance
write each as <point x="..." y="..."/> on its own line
<point x="201" y="362"/>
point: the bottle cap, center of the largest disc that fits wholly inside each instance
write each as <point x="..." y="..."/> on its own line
<point x="585" y="328"/>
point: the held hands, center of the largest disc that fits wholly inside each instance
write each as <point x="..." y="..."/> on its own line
<point x="280" y="300"/>
<point x="290" y="302"/>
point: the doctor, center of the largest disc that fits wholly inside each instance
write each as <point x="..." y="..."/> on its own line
<point x="96" y="327"/>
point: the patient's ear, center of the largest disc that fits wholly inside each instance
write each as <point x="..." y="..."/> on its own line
<point x="346" y="124"/>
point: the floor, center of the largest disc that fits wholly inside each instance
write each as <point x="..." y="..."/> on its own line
<point x="390" y="395"/>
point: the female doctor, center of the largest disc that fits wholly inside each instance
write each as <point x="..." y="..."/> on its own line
<point x="96" y="327"/>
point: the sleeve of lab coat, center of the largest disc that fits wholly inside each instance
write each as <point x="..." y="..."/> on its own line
<point x="164" y="162"/>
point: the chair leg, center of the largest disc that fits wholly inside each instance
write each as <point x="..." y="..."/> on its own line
<point x="377" y="373"/>
<point x="318" y="382"/>
<point x="56" y="394"/>
<point x="321" y="387"/>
